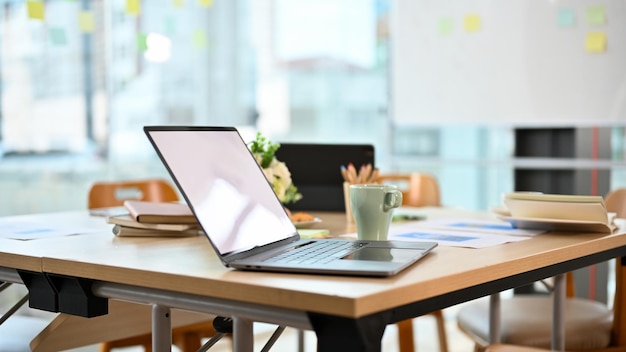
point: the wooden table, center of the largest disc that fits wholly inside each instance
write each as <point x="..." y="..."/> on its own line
<point x="347" y="313"/>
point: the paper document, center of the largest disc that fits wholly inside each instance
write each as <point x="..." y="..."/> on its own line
<point x="19" y="230"/>
<point x="451" y="236"/>
<point x="458" y="232"/>
<point x="482" y="226"/>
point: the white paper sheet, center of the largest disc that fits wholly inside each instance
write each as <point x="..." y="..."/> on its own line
<point x="19" y="230"/>
<point x="458" y="232"/>
<point x="482" y="226"/>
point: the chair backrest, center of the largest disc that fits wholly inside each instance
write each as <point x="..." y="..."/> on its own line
<point x="418" y="189"/>
<point x="114" y="193"/>
<point x="315" y="170"/>
<point x="615" y="202"/>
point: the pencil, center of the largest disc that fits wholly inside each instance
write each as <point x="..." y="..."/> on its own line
<point x="361" y="178"/>
<point x="374" y="177"/>
<point x="352" y="173"/>
<point x="344" y="174"/>
<point x="368" y="173"/>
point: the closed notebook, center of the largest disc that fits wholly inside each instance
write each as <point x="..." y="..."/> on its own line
<point x="160" y="212"/>
<point x="128" y="221"/>
<point x="123" y="231"/>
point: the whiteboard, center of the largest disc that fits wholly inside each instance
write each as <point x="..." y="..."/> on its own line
<point x="513" y="62"/>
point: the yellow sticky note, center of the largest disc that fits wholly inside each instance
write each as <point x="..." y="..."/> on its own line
<point x="595" y="42"/>
<point x="35" y="10"/>
<point x="596" y="15"/>
<point x="206" y="3"/>
<point x="178" y="3"/>
<point x="86" y="22"/>
<point x="133" y="7"/>
<point x="472" y="23"/>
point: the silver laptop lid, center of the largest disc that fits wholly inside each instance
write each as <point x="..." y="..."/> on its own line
<point x="223" y="185"/>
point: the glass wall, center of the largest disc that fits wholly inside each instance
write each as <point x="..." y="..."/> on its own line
<point x="80" y="79"/>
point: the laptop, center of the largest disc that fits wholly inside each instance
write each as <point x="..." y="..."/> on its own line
<point x="322" y="186"/>
<point x="245" y="222"/>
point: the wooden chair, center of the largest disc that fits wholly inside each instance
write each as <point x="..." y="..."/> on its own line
<point x="114" y="193"/>
<point x="615" y="202"/>
<point x="526" y="320"/>
<point x="418" y="190"/>
<point x="17" y="330"/>
<point x="124" y="322"/>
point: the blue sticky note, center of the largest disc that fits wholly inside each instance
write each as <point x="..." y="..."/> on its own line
<point x="57" y="36"/>
<point x="566" y="18"/>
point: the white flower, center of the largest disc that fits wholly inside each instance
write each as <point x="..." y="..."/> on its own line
<point x="276" y="171"/>
<point x="279" y="177"/>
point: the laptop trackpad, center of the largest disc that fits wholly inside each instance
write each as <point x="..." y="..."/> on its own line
<point x="393" y="255"/>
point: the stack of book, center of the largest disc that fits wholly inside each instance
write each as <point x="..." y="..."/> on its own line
<point x="558" y="212"/>
<point x="155" y="219"/>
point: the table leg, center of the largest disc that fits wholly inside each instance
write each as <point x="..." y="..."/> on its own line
<point x="494" y="318"/>
<point x="558" y="314"/>
<point x="161" y="329"/>
<point x="338" y="334"/>
<point x="243" y="336"/>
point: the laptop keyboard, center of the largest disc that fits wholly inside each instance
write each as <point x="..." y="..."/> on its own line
<point x="318" y="252"/>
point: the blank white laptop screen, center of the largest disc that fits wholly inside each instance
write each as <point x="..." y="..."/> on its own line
<point x="229" y="194"/>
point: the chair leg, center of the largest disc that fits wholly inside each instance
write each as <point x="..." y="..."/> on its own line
<point x="188" y="341"/>
<point x="479" y="348"/>
<point x="405" y="336"/>
<point x="144" y="341"/>
<point x="441" y="330"/>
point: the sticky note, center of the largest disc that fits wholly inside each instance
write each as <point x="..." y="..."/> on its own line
<point x="472" y="23"/>
<point x="566" y="18"/>
<point x="206" y="3"/>
<point x="142" y="41"/>
<point x="595" y="42"/>
<point x="596" y="15"/>
<point x="86" y="22"/>
<point x="445" y="26"/>
<point x="169" y="25"/>
<point x="199" y="39"/>
<point x="133" y="7"/>
<point x="314" y="233"/>
<point x="57" y="36"/>
<point x="35" y="10"/>
<point x="178" y="3"/>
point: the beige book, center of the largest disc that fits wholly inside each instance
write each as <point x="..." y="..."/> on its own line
<point x="128" y="221"/>
<point x="558" y="212"/>
<point x="123" y="231"/>
<point x="556" y="206"/>
<point x="160" y="212"/>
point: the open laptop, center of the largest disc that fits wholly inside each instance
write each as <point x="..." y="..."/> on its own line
<point x="245" y="222"/>
<point x="321" y="185"/>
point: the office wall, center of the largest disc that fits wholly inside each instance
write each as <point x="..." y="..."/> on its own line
<point x="518" y="62"/>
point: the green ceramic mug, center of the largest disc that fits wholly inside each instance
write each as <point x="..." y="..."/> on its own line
<point x="372" y="208"/>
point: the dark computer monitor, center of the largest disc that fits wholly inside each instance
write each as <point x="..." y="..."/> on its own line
<point x="315" y="170"/>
